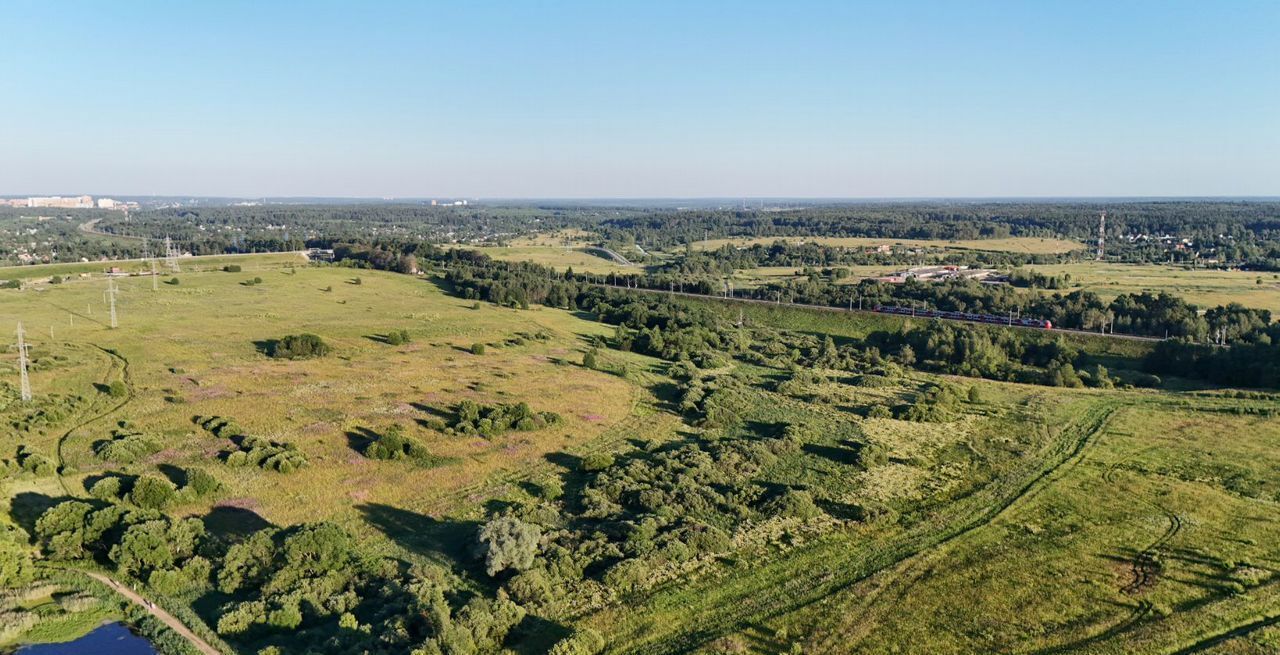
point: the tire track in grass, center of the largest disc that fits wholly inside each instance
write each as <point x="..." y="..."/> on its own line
<point x="1146" y="566"/>
<point x="115" y="359"/>
<point x="1238" y="631"/>
<point x="916" y="567"/>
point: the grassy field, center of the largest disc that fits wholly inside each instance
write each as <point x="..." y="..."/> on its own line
<point x="137" y="266"/>
<point x="1159" y="536"/>
<point x="1031" y="520"/>
<point x="1207" y="288"/>
<point x="190" y="351"/>
<point x="558" y="257"/>
<point x="1032" y="245"/>
<point x="753" y="277"/>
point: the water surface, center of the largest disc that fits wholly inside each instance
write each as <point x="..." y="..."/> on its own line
<point x="107" y="639"/>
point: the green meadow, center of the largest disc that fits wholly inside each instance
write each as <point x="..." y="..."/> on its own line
<point x="1027" y="519"/>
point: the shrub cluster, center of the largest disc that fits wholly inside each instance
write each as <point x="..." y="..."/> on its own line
<point x="394" y="445"/>
<point x="30" y="460"/>
<point x="124" y="447"/>
<point x="398" y="337"/>
<point x="471" y="417"/>
<point x="282" y="457"/>
<point x="297" y="346"/>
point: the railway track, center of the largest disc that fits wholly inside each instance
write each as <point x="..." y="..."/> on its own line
<point x="828" y="308"/>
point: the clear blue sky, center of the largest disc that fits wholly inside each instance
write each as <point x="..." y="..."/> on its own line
<point x="640" y="99"/>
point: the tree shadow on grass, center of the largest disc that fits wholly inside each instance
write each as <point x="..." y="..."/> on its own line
<point x="668" y="396"/>
<point x="535" y="635"/>
<point x="450" y="543"/>
<point x="175" y="474"/>
<point x="26" y="507"/>
<point x="266" y="346"/>
<point x="234" y="524"/>
<point x="837" y="454"/>
<point x="359" y="439"/>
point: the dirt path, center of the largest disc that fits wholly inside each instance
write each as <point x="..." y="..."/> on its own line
<point x="156" y="611"/>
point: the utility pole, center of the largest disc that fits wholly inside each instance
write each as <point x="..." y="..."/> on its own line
<point x="153" y="276"/>
<point x="24" y="381"/>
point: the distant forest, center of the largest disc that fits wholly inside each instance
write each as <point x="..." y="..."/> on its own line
<point x="1238" y="233"/>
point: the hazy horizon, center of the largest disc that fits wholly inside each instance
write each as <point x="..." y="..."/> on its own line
<point x="814" y="100"/>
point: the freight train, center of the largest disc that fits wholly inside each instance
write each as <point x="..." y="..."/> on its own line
<point x="966" y="316"/>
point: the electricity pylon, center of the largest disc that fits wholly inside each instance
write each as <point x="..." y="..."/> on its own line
<point x="24" y="381"/>
<point x="171" y="254"/>
<point x="111" y="300"/>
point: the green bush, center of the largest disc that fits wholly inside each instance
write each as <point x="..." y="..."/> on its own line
<point x="31" y="461"/>
<point x="508" y="543"/>
<point x="232" y="268"/>
<point x="583" y="641"/>
<point x="201" y="482"/>
<point x="297" y="346"/>
<point x="106" y="489"/>
<point x="125" y="447"/>
<point x="477" y="349"/>
<point x="597" y="462"/>
<point x="398" y="337"/>
<point x="152" y="492"/>
<point x="392" y="444"/>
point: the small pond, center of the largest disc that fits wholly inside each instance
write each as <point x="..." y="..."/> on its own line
<point x="107" y="639"/>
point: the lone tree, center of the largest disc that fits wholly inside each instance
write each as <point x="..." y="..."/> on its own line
<point x="508" y="543"/>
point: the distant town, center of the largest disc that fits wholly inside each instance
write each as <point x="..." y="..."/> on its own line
<point x="68" y="202"/>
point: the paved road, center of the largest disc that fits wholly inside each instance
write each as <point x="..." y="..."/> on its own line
<point x="612" y="255"/>
<point x="156" y="611"/>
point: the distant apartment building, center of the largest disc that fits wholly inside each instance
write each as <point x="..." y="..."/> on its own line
<point x="77" y="202"/>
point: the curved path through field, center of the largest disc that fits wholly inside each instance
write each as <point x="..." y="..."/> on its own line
<point x="156" y="611"/>
<point x="116" y="359"/>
